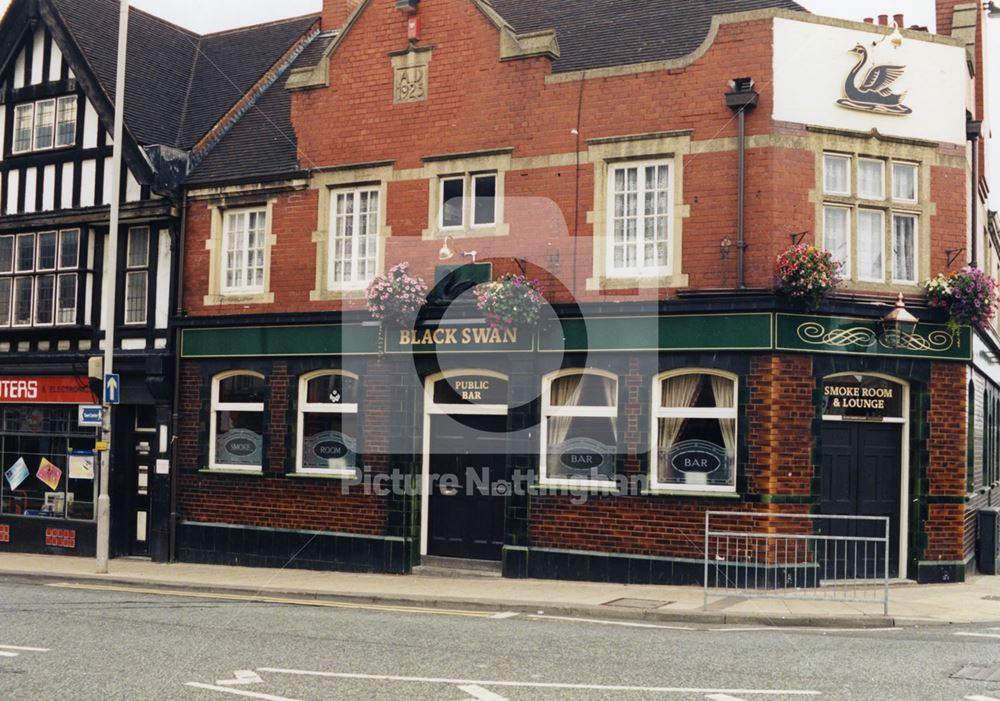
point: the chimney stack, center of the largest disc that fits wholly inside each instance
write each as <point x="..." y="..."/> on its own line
<point x="898" y="19"/>
<point x="869" y="20"/>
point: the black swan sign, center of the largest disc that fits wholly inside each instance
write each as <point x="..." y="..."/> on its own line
<point x="875" y="92"/>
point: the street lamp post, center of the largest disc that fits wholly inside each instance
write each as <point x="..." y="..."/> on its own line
<point x="109" y="284"/>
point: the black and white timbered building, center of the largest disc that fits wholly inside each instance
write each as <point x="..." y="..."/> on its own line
<point x="57" y="80"/>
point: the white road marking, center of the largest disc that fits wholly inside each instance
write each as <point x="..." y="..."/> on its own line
<point x="978" y="635"/>
<point x="538" y="685"/>
<point x="805" y="628"/>
<point x="240" y="692"/>
<point x="723" y="697"/>
<point x="8" y="654"/>
<point x="480" y="694"/>
<point x="981" y="698"/>
<point x="505" y="614"/>
<point x="242" y="676"/>
<point x="599" y="621"/>
<point x="24" y="649"/>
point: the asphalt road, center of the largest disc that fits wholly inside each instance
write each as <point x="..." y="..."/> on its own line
<point x="66" y="642"/>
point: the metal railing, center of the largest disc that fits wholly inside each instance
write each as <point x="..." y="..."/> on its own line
<point x="797" y="556"/>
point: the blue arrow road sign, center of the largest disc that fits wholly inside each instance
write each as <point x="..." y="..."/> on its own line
<point x="112" y="388"/>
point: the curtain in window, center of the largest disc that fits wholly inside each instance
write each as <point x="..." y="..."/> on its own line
<point x="678" y="392"/>
<point x="565" y="391"/>
<point x="722" y="388"/>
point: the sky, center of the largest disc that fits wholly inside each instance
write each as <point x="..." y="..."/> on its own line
<point x="205" y="16"/>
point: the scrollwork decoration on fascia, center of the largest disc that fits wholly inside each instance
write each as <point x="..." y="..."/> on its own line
<point x="816" y="334"/>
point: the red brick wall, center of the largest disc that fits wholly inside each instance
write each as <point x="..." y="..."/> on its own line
<point x="274" y="500"/>
<point x="777" y="459"/>
<point x="477" y="102"/>
<point x="946" y="460"/>
<point x="781" y="412"/>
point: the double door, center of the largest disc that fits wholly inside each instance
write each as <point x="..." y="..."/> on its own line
<point x="860" y="477"/>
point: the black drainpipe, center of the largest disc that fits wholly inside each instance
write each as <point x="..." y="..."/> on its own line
<point x="175" y="416"/>
<point x="973" y="130"/>
<point x="741" y="100"/>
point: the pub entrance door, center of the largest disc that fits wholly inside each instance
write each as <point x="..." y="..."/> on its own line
<point x="464" y="465"/>
<point x="861" y="473"/>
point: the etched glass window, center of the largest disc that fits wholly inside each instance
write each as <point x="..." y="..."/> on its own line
<point x="580" y="419"/>
<point x="328" y="424"/>
<point x="237" y="422"/>
<point x="694" y="442"/>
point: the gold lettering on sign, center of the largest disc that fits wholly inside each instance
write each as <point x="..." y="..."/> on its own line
<point x="472" y="390"/>
<point x="451" y="337"/>
<point x="848" y="397"/>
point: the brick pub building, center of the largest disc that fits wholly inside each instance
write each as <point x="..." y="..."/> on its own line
<point x="646" y="168"/>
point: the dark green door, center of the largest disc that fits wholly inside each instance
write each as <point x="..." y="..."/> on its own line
<point x="860" y="477"/>
<point x="465" y="506"/>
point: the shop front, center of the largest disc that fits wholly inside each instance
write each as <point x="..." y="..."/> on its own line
<point x="50" y="468"/>
<point x="588" y="448"/>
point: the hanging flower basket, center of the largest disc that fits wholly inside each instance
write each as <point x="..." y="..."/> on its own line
<point x="395" y="296"/>
<point x="968" y="295"/>
<point x="806" y="272"/>
<point x="510" y="300"/>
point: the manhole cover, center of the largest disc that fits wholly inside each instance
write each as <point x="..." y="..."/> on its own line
<point x="637" y="603"/>
<point x="978" y="673"/>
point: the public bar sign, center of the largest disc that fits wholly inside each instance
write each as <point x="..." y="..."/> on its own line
<point x="54" y="389"/>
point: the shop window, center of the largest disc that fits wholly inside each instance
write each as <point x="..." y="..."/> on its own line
<point x="39" y="277"/>
<point x="872" y="227"/>
<point x="354" y="228"/>
<point x="327" y="436"/>
<point x="137" y="275"/>
<point x="48" y="463"/>
<point x="694" y="431"/>
<point x="579" y="427"/>
<point x="237" y="422"/>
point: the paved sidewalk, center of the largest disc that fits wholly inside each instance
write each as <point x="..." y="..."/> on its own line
<point x="974" y="601"/>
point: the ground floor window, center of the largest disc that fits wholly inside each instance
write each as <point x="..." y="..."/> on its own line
<point x="328" y="423"/>
<point x="48" y="463"/>
<point x="694" y="430"/>
<point x="237" y="439"/>
<point x="579" y="426"/>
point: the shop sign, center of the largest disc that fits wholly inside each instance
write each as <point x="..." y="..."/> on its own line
<point x="697" y="456"/>
<point x="862" y="397"/>
<point x="240" y="446"/>
<point x="457" y="339"/>
<point x="581" y="456"/>
<point x="470" y="389"/>
<point x="329" y="448"/>
<point x="46" y="390"/>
